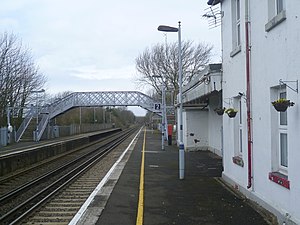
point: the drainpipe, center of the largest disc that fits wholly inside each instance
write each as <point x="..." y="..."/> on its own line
<point x="248" y="94"/>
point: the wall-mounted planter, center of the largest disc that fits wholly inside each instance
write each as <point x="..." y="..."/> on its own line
<point x="282" y="104"/>
<point x="219" y="111"/>
<point x="231" y="112"/>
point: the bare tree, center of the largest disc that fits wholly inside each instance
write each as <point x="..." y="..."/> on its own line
<point x="18" y="75"/>
<point x="162" y="60"/>
<point x="58" y="96"/>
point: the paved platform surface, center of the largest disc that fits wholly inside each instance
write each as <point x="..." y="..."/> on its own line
<point x="199" y="199"/>
<point x="23" y="145"/>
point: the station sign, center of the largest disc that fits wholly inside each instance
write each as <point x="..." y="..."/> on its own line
<point x="157" y="107"/>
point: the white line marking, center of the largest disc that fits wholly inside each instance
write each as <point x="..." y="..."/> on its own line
<point x="154" y="166"/>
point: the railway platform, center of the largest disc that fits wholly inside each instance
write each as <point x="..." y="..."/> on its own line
<point x="20" y="146"/>
<point x="147" y="190"/>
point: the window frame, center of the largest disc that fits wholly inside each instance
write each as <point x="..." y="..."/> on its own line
<point x="238" y="22"/>
<point x="280" y="6"/>
<point x="238" y="133"/>
<point x="276" y="14"/>
<point x="240" y="128"/>
<point x="283" y="168"/>
<point x="278" y="171"/>
<point x="282" y="129"/>
<point x="236" y="27"/>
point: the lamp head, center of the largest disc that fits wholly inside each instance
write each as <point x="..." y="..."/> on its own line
<point x="167" y="28"/>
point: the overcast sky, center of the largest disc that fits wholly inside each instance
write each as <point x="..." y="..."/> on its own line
<point x="91" y="45"/>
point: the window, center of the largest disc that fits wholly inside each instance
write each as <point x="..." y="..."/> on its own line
<point x="275" y="7"/>
<point x="238" y="133"/>
<point x="279" y="6"/>
<point x="279" y="141"/>
<point x="236" y="27"/>
<point x="241" y="141"/>
<point x="283" y="150"/>
<point x="238" y="23"/>
<point x="282" y="115"/>
<point x="283" y="144"/>
<point x="276" y="13"/>
<point x="279" y="134"/>
<point x="240" y="128"/>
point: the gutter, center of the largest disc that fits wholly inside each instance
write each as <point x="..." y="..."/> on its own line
<point x="248" y="94"/>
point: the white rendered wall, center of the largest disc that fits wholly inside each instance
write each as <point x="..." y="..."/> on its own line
<point x="203" y="125"/>
<point x="274" y="55"/>
<point x="233" y="83"/>
<point x="215" y="126"/>
<point x="196" y="128"/>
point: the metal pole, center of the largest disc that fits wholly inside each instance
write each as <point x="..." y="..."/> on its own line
<point x="162" y="118"/>
<point x="8" y="116"/>
<point x="165" y="112"/>
<point x="37" y="118"/>
<point x="181" y="145"/>
<point x="110" y="115"/>
<point x="79" y="119"/>
<point x="94" y="116"/>
<point x="103" y="115"/>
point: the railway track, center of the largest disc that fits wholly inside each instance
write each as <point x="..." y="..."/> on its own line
<point x="26" y="179"/>
<point x="18" y="204"/>
<point x="29" y="172"/>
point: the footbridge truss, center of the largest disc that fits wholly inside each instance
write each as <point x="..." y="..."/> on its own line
<point x="109" y="98"/>
<point x="87" y="99"/>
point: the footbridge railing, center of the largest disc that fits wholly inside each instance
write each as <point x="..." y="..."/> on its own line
<point x="30" y="114"/>
<point x="107" y="98"/>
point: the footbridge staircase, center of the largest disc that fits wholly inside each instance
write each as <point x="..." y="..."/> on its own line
<point x="86" y="99"/>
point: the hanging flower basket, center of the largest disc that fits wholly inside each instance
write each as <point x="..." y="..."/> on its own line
<point x="231" y="112"/>
<point x="219" y="111"/>
<point x="282" y="104"/>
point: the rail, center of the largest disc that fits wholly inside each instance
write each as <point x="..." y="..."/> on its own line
<point x="23" y="209"/>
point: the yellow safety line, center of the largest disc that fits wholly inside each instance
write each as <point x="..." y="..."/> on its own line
<point x="140" y="213"/>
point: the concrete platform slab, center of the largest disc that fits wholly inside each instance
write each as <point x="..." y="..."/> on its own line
<point x="198" y="199"/>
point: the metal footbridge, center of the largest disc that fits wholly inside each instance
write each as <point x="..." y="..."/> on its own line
<point x="86" y="99"/>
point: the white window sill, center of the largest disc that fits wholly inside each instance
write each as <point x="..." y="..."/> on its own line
<point x="283" y="170"/>
<point x="280" y="17"/>
<point x="238" y="160"/>
<point x="235" y="51"/>
<point x="280" y="179"/>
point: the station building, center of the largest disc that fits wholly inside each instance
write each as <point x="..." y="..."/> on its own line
<point x="260" y="65"/>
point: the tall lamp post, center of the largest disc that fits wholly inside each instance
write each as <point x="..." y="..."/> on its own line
<point x="181" y="145"/>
